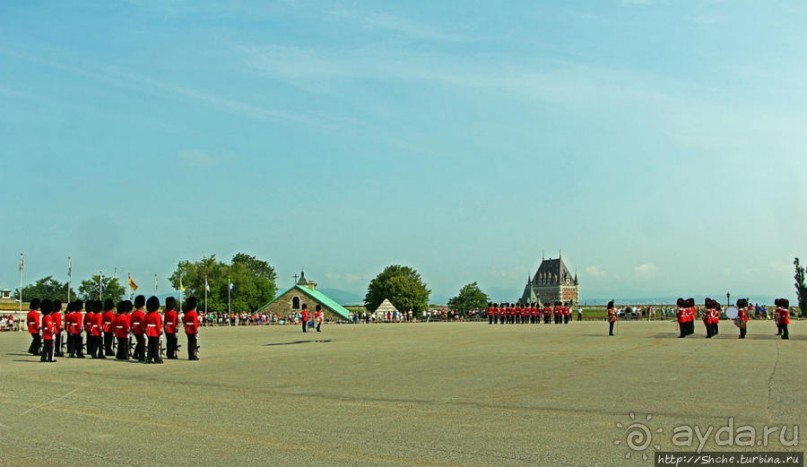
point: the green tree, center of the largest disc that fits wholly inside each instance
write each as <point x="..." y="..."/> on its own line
<point x="253" y="280"/>
<point x="47" y="287"/>
<point x="89" y="289"/>
<point x="801" y="287"/>
<point x="469" y="298"/>
<point x="403" y="287"/>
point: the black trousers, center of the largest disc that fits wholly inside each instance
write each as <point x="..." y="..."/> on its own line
<point x="305" y="325"/>
<point x="611" y="328"/>
<point x="77" y="348"/>
<point x="192" y="347"/>
<point x="36" y="344"/>
<point x="743" y="330"/>
<point x="154" y="350"/>
<point x="108" y="343"/>
<point x="123" y="348"/>
<point x="171" y="346"/>
<point x="319" y="323"/>
<point x="140" y="348"/>
<point x="98" y="346"/>
<point x="47" y="352"/>
<point x="785" y="335"/>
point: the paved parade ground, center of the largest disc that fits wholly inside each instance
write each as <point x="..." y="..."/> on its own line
<point x="408" y="394"/>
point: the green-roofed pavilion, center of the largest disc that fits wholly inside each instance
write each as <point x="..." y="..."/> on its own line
<point x="305" y="292"/>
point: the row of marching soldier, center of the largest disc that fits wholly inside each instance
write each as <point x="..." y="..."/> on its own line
<point x="532" y="313"/>
<point x="127" y="332"/>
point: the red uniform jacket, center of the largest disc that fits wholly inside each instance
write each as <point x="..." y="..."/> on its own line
<point x="89" y="319"/>
<point x="33" y="322"/>
<point x="57" y="321"/>
<point x="715" y="316"/>
<point x="318" y="316"/>
<point x="121" y="325"/>
<point x="73" y="320"/>
<point x="784" y="315"/>
<point x="138" y="321"/>
<point x="567" y="311"/>
<point x="191" y="322"/>
<point x="742" y="315"/>
<point x="547" y="311"/>
<point x="611" y="315"/>
<point x="109" y="317"/>
<point x="154" y="324"/>
<point x="534" y="311"/>
<point x="48" y="329"/>
<point x="171" y="323"/>
<point x="97" y="324"/>
<point x="682" y="315"/>
<point x="304" y="314"/>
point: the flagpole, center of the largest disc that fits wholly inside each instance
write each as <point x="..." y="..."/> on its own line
<point x="155" y="283"/>
<point x="229" y="288"/>
<point x="22" y="267"/>
<point x="69" y="276"/>
<point x="100" y="286"/>
<point x="206" y="287"/>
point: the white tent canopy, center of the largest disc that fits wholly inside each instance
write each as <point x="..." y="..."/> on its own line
<point x="386" y="306"/>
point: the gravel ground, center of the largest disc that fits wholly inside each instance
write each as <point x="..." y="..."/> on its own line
<point x="405" y="394"/>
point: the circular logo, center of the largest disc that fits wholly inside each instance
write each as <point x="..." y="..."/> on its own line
<point x="638" y="436"/>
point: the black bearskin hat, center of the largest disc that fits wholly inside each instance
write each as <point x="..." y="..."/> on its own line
<point x="46" y="306"/>
<point x="140" y="301"/>
<point x="153" y="303"/>
<point x="170" y="303"/>
<point x="35" y="304"/>
<point x="190" y="303"/>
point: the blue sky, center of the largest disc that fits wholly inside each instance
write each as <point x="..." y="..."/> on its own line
<point x="659" y="144"/>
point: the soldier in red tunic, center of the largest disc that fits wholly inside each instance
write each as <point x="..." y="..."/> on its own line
<point x="611" y="318"/>
<point x="742" y="316"/>
<point x="107" y="318"/>
<point x="97" y="329"/>
<point x="547" y="313"/>
<point x="191" y="321"/>
<point x="171" y="326"/>
<point x="305" y="317"/>
<point x="34" y="321"/>
<point x="122" y="326"/>
<point x="48" y="332"/>
<point x="681" y="317"/>
<point x="784" y="316"/>
<point x="89" y="319"/>
<point x="139" y="329"/>
<point x="56" y="314"/>
<point x="74" y="344"/>
<point x="154" y="329"/>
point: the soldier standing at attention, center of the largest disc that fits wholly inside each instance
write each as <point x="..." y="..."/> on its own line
<point x="191" y="320"/>
<point x="171" y="325"/>
<point x="34" y="321"/>
<point x="784" y="316"/>
<point x="122" y="326"/>
<point x="48" y="331"/>
<point x="154" y="328"/>
<point x="107" y="319"/>
<point x="89" y="319"/>
<point x="776" y="318"/>
<point x="75" y="345"/>
<point x="97" y="329"/>
<point x="611" y="318"/>
<point x="139" y="328"/>
<point x="742" y="316"/>
<point x="681" y="317"/>
<point x="305" y="317"/>
<point x="56" y="314"/>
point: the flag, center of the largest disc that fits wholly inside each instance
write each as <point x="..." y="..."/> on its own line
<point x="132" y="284"/>
<point x="181" y="287"/>
<point x="155" y="283"/>
<point x="69" y="269"/>
<point x="22" y="262"/>
<point x="101" y="282"/>
<point x="207" y="286"/>
<point x="232" y="286"/>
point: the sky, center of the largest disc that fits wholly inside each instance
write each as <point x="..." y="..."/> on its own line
<point x="660" y="145"/>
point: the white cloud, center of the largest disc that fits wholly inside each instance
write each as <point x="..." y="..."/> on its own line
<point x="594" y="271"/>
<point x="646" y="269"/>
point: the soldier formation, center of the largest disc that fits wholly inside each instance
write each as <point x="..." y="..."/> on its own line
<point x="128" y="332"/>
<point x="529" y="313"/>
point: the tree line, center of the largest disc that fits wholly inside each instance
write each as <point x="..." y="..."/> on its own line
<point x="249" y="283"/>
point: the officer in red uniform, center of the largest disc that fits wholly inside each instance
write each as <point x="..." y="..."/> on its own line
<point x="567" y="313"/>
<point x="776" y="318"/>
<point x="611" y="318"/>
<point x="547" y="313"/>
<point x="318" y="316"/>
<point x="171" y="326"/>
<point x="154" y="329"/>
<point x="121" y="326"/>
<point x="784" y="316"/>
<point x="557" y="311"/>
<point x="742" y="316"/>
<point x="34" y="321"/>
<point x="191" y="321"/>
<point x="97" y="329"/>
<point x="681" y="316"/>
<point x="534" y="317"/>
<point x="48" y="332"/>
<point x="107" y="319"/>
<point x="707" y="316"/>
<point x="74" y="343"/>
<point x="716" y="311"/>
<point x="58" y="321"/>
<point x="305" y="317"/>
<point x="89" y="320"/>
<point x="139" y="328"/>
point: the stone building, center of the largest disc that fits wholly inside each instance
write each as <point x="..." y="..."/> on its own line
<point x="551" y="283"/>
<point x="305" y="292"/>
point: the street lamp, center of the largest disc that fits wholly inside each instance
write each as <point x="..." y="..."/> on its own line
<point x="728" y="299"/>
